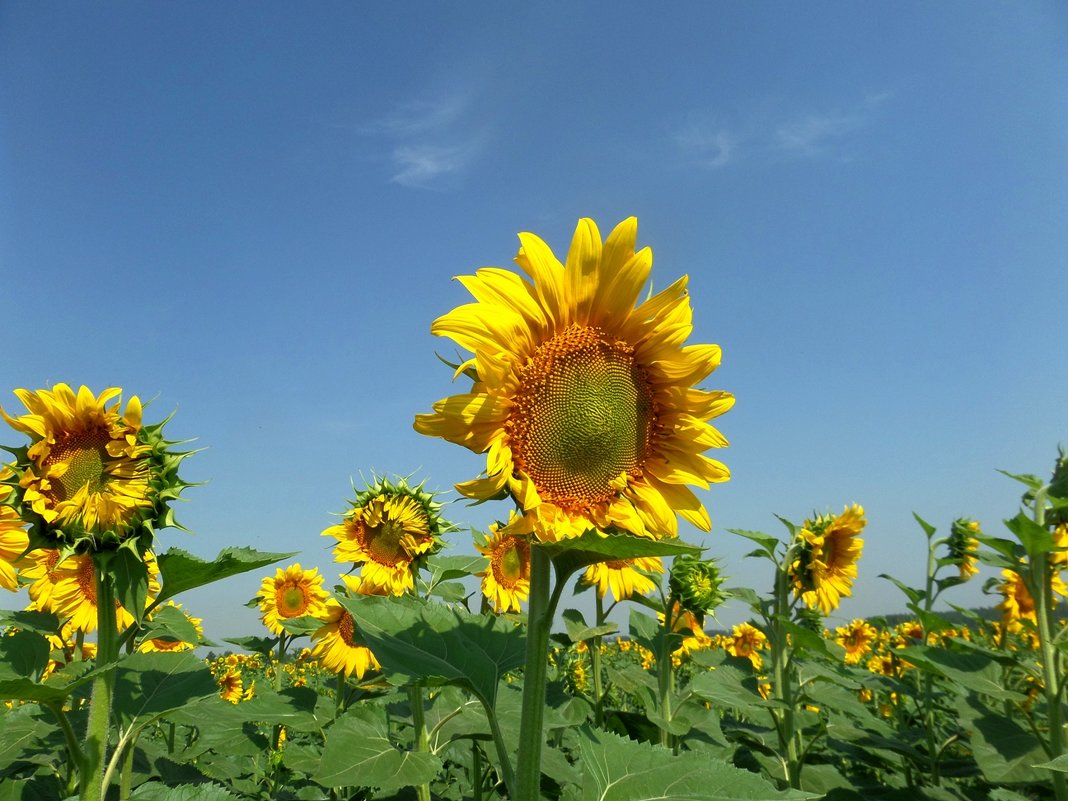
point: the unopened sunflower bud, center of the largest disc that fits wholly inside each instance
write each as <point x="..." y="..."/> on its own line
<point x="695" y="583"/>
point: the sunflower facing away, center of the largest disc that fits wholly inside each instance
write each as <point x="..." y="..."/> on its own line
<point x="584" y="403"/>
<point x="506" y="580"/>
<point x="93" y="473"/>
<point x="827" y="565"/>
<point x="391" y="525"/>
<point x="291" y="593"/>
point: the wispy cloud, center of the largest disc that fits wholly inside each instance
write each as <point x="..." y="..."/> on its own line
<point x="809" y="135"/>
<point x="709" y="148"/>
<point x="430" y="141"/>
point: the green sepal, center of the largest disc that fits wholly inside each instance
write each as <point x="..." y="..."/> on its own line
<point x="130" y="574"/>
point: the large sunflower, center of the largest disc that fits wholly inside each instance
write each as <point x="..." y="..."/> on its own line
<point x="506" y="580"/>
<point x="583" y="402"/>
<point x="291" y="593"/>
<point x="827" y="562"/>
<point x="391" y="525"/>
<point x="92" y="472"/>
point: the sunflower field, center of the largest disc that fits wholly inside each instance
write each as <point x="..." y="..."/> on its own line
<point x="423" y="675"/>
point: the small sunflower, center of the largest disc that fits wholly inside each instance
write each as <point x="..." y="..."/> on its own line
<point x="963" y="545"/>
<point x="390" y="527"/>
<point x="290" y="593"/>
<point x="13" y="539"/>
<point x="747" y="641"/>
<point x="1058" y="557"/>
<point x="232" y="686"/>
<point x="624" y="577"/>
<point x="336" y="645"/>
<point x="857" y="638"/>
<point x="585" y="405"/>
<point x="506" y="580"/>
<point x="73" y="596"/>
<point x="827" y="563"/>
<point x="38" y="568"/>
<point x="93" y="474"/>
<point x="1017" y="604"/>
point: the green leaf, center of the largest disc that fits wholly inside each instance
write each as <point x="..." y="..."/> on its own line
<point x="130" y="573"/>
<point x="257" y="645"/>
<point x="1005" y="751"/>
<point x="150" y="684"/>
<point x="578" y="631"/>
<point x="448" y="568"/>
<point x="731" y="684"/>
<point x="914" y="595"/>
<point x="1028" y="480"/>
<point x="592" y="548"/>
<point x="292" y="706"/>
<point x="766" y="542"/>
<point x="155" y="791"/>
<point x="928" y="529"/>
<point x="40" y="622"/>
<point x="417" y="640"/>
<point x="973" y="671"/>
<point x="1035" y="539"/>
<point x="183" y="571"/>
<point x="359" y="753"/>
<point x="21" y="733"/>
<point x="615" y="769"/>
<point x="1059" y="764"/>
<point x="301" y="626"/>
<point x="23" y="653"/>
<point x="169" y="623"/>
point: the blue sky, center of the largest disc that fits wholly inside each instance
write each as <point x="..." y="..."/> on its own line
<point x="252" y="212"/>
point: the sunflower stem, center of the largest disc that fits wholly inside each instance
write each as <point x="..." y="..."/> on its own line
<point x="1052" y="661"/>
<point x="595" y="667"/>
<point x="542" y="604"/>
<point x="783" y="674"/>
<point x="928" y="680"/>
<point x="99" y="724"/>
<point x="665" y="672"/>
<point x="422" y="741"/>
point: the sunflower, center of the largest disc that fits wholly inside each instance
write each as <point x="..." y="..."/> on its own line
<point x="584" y="404"/>
<point x="39" y="569"/>
<point x="963" y="545"/>
<point x="747" y="641"/>
<point x="232" y="686"/>
<point x="13" y="539"/>
<point x="290" y="593"/>
<point x="857" y="638"/>
<point x="827" y="563"/>
<point x="506" y="580"/>
<point x="336" y="646"/>
<point x="624" y="577"/>
<point x="1017" y="604"/>
<point x="1058" y="557"/>
<point x="164" y="644"/>
<point x="93" y="473"/>
<point x="73" y="596"/>
<point x="390" y="527"/>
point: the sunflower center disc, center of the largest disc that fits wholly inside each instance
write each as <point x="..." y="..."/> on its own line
<point x="509" y="565"/>
<point x="384" y="542"/>
<point x="87" y="581"/>
<point x="84" y="453"/>
<point x="293" y="601"/>
<point x="584" y="414"/>
<point x="346" y="629"/>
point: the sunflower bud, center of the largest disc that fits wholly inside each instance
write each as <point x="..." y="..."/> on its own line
<point x="963" y="545"/>
<point x="695" y="583"/>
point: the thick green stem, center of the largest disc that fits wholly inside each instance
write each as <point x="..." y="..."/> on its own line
<point x="928" y="679"/>
<point x="783" y="689"/>
<point x="665" y="674"/>
<point x="422" y="741"/>
<point x="542" y="604"/>
<point x="476" y="771"/>
<point x="595" y="667"/>
<point x="1052" y="662"/>
<point x="96" y="737"/>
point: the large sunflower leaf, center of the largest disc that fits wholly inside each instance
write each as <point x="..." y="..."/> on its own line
<point x="183" y="571"/>
<point x="358" y="752"/>
<point x="972" y="671"/>
<point x="156" y="791"/>
<point x="148" y="685"/>
<point x="591" y="548"/>
<point x="416" y="640"/>
<point x="615" y="769"/>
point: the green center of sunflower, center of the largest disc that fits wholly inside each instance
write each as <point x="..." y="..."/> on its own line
<point x="584" y="414"/>
<point x="85" y="456"/>
<point x="292" y="601"/>
<point x="510" y="562"/>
